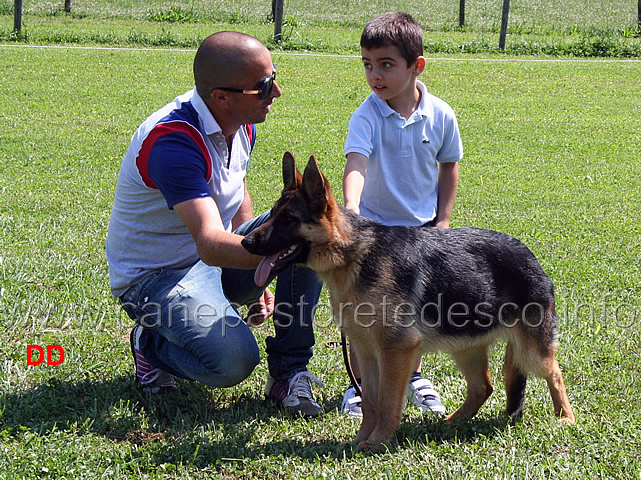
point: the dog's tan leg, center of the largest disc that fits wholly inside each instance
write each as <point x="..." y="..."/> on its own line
<point x="395" y="370"/>
<point x="473" y="363"/>
<point x="369" y="365"/>
<point x="554" y="379"/>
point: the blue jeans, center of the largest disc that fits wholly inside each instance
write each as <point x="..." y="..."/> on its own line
<point x="193" y="329"/>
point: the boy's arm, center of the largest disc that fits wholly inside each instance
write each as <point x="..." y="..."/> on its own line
<point x="447" y="183"/>
<point x="354" y="180"/>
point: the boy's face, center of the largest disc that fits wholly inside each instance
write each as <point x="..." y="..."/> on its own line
<point x="388" y="73"/>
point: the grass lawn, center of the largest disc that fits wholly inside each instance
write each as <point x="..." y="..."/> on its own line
<point x="579" y="28"/>
<point x="551" y="157"/>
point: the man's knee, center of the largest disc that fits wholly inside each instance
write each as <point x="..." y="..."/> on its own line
<point x="240" y="368"/>
<point x="234" y="368"/>
<point x="236" y="358"/>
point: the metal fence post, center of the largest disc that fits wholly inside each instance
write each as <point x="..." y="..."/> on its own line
<point x="17" y="17"/>
<point x="503" y="34"/>
<point x="277" y="10"/>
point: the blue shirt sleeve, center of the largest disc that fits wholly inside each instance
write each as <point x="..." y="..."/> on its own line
<point x="177" y="167"/>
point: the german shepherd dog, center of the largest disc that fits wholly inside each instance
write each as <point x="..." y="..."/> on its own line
<point x="398" y="292"/>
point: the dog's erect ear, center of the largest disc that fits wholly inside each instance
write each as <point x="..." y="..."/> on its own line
<point x="314" y="185"/>
<point x="291" y="177"/>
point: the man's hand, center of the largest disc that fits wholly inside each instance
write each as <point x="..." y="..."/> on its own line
<point x="260" y="310"/>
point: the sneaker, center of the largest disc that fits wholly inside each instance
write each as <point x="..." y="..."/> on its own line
<point x="422" y="395"/>
<point x="148" y="378"/>
<point x="352" y="403"/>
<point x="295" y="394"/>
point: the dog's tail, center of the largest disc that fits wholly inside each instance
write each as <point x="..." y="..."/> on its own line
<point x="534" y="351"/>
<point x="515" y="383"/>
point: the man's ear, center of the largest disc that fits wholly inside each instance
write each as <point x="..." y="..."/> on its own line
<point x="216" y="97"/>
<point x="419" y="65"/>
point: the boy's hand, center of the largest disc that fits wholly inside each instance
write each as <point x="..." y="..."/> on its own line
<point x="354" y="207"/>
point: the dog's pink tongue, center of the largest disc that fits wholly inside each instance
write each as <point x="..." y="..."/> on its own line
<point x="264" y="269"/>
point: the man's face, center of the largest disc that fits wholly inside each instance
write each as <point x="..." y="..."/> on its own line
<point x="249" y="107"/>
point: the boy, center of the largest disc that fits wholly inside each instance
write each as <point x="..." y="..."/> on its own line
<point x="402" y="150"/>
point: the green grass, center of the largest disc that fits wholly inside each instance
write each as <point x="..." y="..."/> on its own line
<point x="552" y="151"/>
<point x="550" y="158"/>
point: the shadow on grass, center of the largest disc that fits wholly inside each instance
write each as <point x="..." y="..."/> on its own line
<point x="433" y="430"/>
<point x="171" y="429"/>
<point x="116" y="407"/>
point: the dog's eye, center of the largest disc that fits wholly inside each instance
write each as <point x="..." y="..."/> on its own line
<point x="288" y="218"/>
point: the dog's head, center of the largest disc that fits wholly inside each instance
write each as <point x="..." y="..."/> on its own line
<point x="298" y="220"/>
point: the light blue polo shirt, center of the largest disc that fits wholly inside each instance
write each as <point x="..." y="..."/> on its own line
<point x="403" y="156"/>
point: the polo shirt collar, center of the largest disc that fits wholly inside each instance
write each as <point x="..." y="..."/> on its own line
<point x="209" y="123"/>
<point x="424" y="109"/>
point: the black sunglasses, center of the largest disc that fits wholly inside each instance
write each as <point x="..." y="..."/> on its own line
<point x="263" y="91"/>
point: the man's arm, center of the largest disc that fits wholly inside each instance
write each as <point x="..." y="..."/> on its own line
<point x="215" y="246"/>
<point x="447" y="184"/>
<point x="223" y="249"/>
<point x="245" y="211"/>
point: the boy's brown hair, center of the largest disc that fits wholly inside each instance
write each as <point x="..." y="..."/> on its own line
<point x="396" y="29"/>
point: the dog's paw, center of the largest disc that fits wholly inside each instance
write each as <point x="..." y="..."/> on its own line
<point x="567" y="421"/>
<point x="365" y="446"/>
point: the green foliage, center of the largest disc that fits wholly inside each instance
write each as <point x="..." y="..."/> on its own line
<point x="579" y="28"/>
<point x="173" y="15"/>
<point x="181" y="15"/>
<point x="6" y="7"/>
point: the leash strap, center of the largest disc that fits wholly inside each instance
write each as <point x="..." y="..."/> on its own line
<point x="348" y="366"/>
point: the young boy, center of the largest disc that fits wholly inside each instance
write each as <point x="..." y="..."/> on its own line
<point x="402" y="149"/>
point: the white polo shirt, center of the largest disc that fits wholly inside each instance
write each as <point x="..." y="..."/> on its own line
<point x="403" y="155"/>
<point x="177" y="154"/>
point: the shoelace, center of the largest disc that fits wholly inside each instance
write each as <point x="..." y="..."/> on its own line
<point x="159" y="377"/>
<point x="355" y="401"/>
<point x="425" y="389"/>
<point x="299" y="385"/>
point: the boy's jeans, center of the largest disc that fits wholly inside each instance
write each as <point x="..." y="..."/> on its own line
<point x="193" y="328"/>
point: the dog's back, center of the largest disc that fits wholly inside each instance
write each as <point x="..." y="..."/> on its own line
<point x="478" y="276"/>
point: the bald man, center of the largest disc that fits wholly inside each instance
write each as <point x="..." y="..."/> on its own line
<point x="181" y="209"/>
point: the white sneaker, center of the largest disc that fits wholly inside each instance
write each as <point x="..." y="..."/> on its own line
<point x="423" y="396"/>
<point x="351" y="404"/>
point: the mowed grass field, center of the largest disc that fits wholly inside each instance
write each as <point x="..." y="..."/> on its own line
<point x="552" y="152"/>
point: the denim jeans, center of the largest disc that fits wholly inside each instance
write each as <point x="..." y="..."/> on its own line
<point x="193" y="329"/>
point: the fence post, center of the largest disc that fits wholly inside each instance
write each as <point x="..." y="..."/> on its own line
<point x="68" y="6"/>
<point x="461" y="13"/>
<point x="503" y="34"/>
<point x="277" y="11"/>
<point x="17" y="17"/>
<point x="639" y="13"/>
